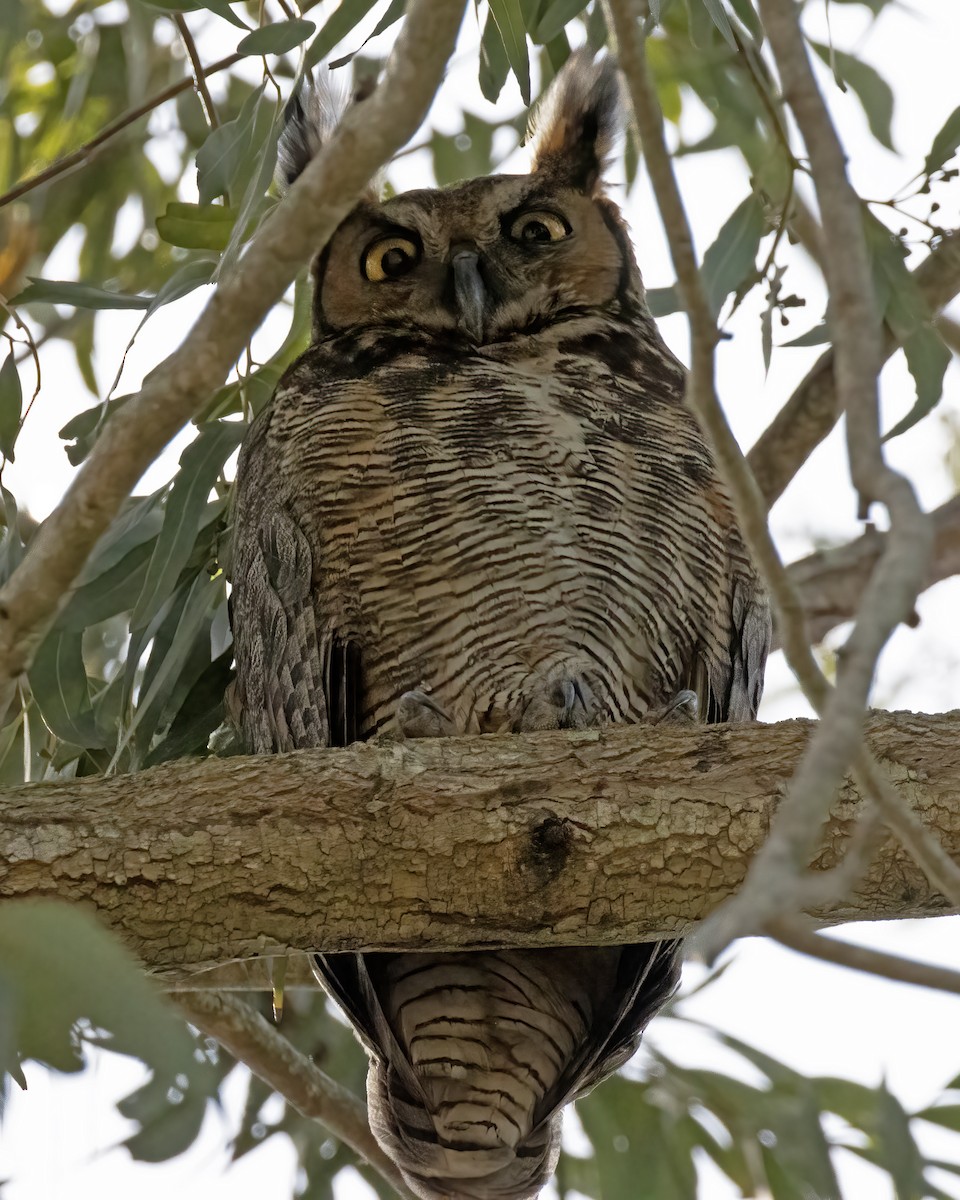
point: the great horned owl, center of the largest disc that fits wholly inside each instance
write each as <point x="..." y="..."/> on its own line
<point x="479" y="503"/>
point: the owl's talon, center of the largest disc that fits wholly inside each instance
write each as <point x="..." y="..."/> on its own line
<point x="682" y="709"/>
<point x="566" y="702"/>
<point x="419" y="716"/>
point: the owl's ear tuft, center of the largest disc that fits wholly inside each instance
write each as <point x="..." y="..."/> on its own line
<point x="312" y="116"/>
<point x="577" y="122"/>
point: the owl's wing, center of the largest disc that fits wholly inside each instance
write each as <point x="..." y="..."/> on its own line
<point x="296" y="684"/>
<point x="729" y="686"/>
<point x="647" y="976"/>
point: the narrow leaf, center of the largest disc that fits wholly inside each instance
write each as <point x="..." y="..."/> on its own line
<point x="277" y="38"/>
<point x="945" y="144"/>
<point x="223" y="155"/>
<point x="220" y="7"/>
<point x="718" y="15"/>
<point x="197" y="227"/>
<point x="494" y="64"/>
<point x="11" y="405"/>
<point x="872" y="90"/>
<point x="77" y="295"/>
<point x="200" y="464"/>
<point x="513" y="34"/>
<point x="927" y="361"/>
<point x="347" y="16"/>
<point x="556" y="18"/>
<point x="732" y="257"/>
<point x="59" y="685"/>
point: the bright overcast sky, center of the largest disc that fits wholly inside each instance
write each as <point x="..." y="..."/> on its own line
<point x="56" y="1142"/>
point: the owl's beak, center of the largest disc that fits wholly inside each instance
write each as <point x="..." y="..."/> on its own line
<point x="470" y="291"/>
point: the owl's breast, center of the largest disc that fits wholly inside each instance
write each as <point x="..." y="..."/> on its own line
<point x="502" y="524"/>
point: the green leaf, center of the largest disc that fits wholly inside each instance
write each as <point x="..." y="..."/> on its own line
<point x="11" y="405"/>
<point x="945" y="144"/>
<point x="220" y="7"/>
<point x="200" y="465"/>
<point x="59" y="685"/>
<point x="718" y="15"/>
<point x="731" y="259"/>
<point x="556" y="18"/>
<point x="664" y="301"/>
<point x="115" y="590"/>
<point x="61" y="972"/>
<point x="494" y="64"/>
<point x="394" y="12"/>
<point x="927" y="361"/>
<point x="78" y="295"/>
<point x="225" y="153"/>
<point x="199" y="714"/>
<point x="171" y="653"/>
<point x="872" y="90"/>
<point x="513" y="35"/>
<point x="346" y="17"/>
<point x="819" y="335"/>
<point x="278" y="38"/>
<point x="197" y="227"/>
<point x="947" y="1115"/>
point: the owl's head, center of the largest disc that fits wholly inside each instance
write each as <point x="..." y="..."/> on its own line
<point x="488" y="258"/>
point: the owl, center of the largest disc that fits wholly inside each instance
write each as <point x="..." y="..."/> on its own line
<point x="478" y="503"/>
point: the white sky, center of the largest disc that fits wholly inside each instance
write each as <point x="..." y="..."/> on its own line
<point x="57" y="1141"/>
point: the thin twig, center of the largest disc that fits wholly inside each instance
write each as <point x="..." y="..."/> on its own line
<point x="315" y="205"/>
<point x="800" y="936"/>
<point x="85" y="153"/>
<point x="199" y="74"/>
<point x="252" y="1040"/>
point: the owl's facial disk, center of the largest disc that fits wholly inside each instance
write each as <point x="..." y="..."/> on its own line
<point x="481" y="261"/>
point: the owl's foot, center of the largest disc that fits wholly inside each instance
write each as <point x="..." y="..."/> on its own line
<point x="681" y="710"/>
<point x="419" y="716"/>
<point x="566" y="702"/>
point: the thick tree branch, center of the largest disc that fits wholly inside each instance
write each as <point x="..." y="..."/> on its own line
<point x="799" y="936"/>
<point x="831" y="582"/>
<point x="597" y="837"/>
<point x="258" y="1045"/>
<point x="315" y="205"/>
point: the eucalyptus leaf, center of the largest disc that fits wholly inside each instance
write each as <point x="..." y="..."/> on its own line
<point x="494" y="64"/>
<point x="60" y="971"/>
<point x="225" y="153"/>
<point x="197" y="227"/>
<point x="556" y="18"/>
<point x="277" y="38"/>
<point x="513" y="35"/>
<point x="78" y="295"/>
<point x="345" y="18"/>
<point x="872" y="90"/>
<point x="945" y="144"/>
<point x="58" y="681"/>
<point x="718" y="15"/>
<point x="731" y="259"/>
<point x="11" y="405"/>
<point x="200" y="466"/>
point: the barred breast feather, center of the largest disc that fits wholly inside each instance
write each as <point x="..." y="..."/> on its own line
<point x="479" y="503"/>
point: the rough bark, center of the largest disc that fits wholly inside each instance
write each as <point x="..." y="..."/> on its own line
<point x="593" y="837"/>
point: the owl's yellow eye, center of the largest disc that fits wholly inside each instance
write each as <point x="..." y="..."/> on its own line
<point x="539" y="226"/>
<point x="389" y="258"/>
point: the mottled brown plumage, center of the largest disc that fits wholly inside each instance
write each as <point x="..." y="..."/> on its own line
<point x="479" y="503"/>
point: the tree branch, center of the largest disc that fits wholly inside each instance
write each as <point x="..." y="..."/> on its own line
<point x="85" y="153"/>
<point x="253" y="1041"/>
<point x="321" y="197"/>
<point x="588" y="838"/>
<point x="799" y="936"/>
<point x="199" y="74"/>
<point x="831" y="582"/>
